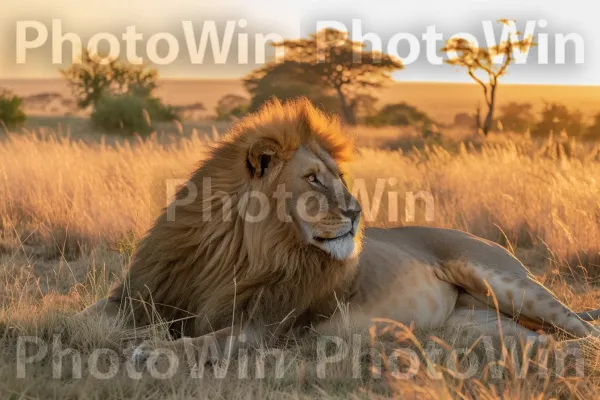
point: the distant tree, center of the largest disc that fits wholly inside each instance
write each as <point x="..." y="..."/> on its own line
<point x="400" y="114"/>
<point x="516" y="117"/>
<point x="480" y="66"/>
<point x="332" y="61"/>
<point x="556" y="118"/>
<point x="11" y="110"/>
<point x="232" y="106"/>
<point x="189" y="111"/>
<point x="90" y="80"/>
<point x="120" y="94"/>
<point x="277" y="80"/>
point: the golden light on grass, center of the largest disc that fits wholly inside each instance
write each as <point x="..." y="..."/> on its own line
<point x="71" y="211"/>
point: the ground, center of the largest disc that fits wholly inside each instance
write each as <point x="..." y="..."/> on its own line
<point x="71" y="212"/>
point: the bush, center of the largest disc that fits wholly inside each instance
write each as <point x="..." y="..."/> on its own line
<point x="400" y="114"/>
<point x="120" y="94"/>
<point x="232" y="106"/>
<point x="465" y="120"/>
<point x="11" y="110"/>
<point x="516" y="117"/>
<point x="593" y="131"/>
<point x="128" y="113"/>
<point x="557" y="118"/>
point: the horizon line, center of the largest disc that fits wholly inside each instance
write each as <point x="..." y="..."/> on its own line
<point x="232" y="79"/>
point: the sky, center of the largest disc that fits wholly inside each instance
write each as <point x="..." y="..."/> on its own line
<point x="398" y="24"/>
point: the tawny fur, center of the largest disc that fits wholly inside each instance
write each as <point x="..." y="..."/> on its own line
<point x="207" y="272"/>
<point x="204" y="273"/>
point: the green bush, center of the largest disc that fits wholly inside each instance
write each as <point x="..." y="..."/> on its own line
<point x="232" y="106"/>
<point x="128" y="113"/>
<point x="11" y="110"/>
<point x="400" y="114"/>
<point x="90" y="80"/>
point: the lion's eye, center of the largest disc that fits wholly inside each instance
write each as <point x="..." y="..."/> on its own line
<point x="312" y="178"/>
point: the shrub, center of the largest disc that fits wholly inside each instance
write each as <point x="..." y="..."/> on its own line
<point x="232" y="106"/>
<point x="516" y="117"/>
<point x="557" y="118"/>
<point x="11" y="110"/>
<point x="400" y="114"/>
<point x="192" y="111"/>
<point x="120" y="94"/>
<point x="465" y="120"/>
<point x="128" y="113"/>
<point x="593" y="131"/>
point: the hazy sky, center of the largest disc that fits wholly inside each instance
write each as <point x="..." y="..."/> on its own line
<point x="291" y="19"/>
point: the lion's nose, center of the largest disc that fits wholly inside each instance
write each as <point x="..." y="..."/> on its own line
<point x="352" y="213"/>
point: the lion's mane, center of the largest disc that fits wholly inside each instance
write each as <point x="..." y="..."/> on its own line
<point x="203" y="272"/>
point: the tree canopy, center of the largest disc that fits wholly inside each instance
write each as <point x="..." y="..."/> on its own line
<point x="326" y="65"/>
<point x="482" y="67"/>
<point x="91" y="79"/>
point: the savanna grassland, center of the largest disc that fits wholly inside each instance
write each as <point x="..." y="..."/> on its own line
<point x="71" y="212"/>
<point x="441" y="100"/>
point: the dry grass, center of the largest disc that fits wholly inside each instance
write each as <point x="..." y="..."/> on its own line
<point x="71" y="211"/>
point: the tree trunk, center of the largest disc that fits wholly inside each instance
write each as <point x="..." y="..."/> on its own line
<point x="347" y="111"/>
<point x="489" y="119"/>
<point x="478" y="118"/>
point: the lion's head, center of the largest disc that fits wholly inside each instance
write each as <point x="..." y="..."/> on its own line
<point x="299" y="162"/>
<point x="266" y="222"/>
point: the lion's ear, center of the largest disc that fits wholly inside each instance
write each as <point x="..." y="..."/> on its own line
<point x="262" y="154"/>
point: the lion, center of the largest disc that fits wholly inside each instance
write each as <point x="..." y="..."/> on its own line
<point x="216" y="264"/>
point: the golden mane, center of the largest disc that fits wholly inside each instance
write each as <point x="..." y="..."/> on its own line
<point x="203" y="271"/>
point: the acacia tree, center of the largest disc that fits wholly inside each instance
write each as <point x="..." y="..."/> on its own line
<point x="482" y="68"/>
<point x="280" y="80"/>
<point x="332" y="61"/>
<point x="90" y="79"/>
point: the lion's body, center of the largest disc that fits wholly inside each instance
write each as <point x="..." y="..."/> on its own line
<point x="434" y="277"/>
<point x="209" y="264"/>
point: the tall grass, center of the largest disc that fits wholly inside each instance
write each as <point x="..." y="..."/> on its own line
<point x="71" y="211"/>
<point x="64" y="194"/>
